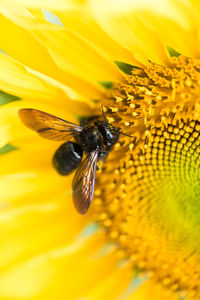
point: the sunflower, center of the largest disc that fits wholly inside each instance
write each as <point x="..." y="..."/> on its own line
<point x="140" y="237"/>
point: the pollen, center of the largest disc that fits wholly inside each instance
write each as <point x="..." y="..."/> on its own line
<point x="150" y="182"/>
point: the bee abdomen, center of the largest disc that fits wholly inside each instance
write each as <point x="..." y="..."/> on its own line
<point x="67" y="158"/>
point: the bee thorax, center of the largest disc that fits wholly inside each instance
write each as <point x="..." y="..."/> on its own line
<point x="90" y="139"/>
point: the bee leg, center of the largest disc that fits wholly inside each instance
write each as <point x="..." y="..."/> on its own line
<point x="103" y="155"/>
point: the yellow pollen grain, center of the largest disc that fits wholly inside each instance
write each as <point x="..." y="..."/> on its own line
<point x="134" y="257"/>
<point x="188" y="83"/>
<point x="97" y="201"/>
<point x="166" y="281"/>
<point x="118" y="99"/>
<point x="112" y="185"/>
<point x="176" y="130"/>
<point x="131" y="146"/>
<point x="102" y="216"/>
<point x="120" y="254"/>
<point x="97" y="192"/>
<point x="114" y="234"/>
<point x="117" y="145"/>
<point x="114" y="109"/>
<point x="197" y="127"/>
<point x="147" y="132"/>
<point x="196" y="276"/>
<point x="107" y="223"/>
<point x="142" y="264"/>
<point x="175" y="287"/>
<point x="132" y="105"/>
<point x="148" y="93"/>
<point x="122" y="238"/>
<point x="122" y="186"/>
<point x="184" y="278"/>
<point x="110" y="119"/>
<point x="130" y="98"/>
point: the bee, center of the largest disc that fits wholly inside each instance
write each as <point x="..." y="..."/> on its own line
<point x="94" y="140"/>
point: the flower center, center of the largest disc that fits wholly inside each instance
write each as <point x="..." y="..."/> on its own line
<point x="148" y="195"/>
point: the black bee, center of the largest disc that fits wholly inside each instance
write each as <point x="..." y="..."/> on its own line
<point x="96" y="141"/>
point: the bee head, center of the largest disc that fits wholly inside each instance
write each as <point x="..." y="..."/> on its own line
<point x="109" y="133"/>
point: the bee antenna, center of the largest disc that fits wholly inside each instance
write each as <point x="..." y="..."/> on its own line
<point x="104" y="114"/>
<point x="125" y="134"/>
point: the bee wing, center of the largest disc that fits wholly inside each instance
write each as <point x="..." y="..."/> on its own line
<point x="48" y="126"/>
<point x="83" y="183"/>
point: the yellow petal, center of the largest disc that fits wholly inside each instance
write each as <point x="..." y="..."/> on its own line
<point x="48" y="4"/>
<point x="39" y="59"/>
<point x="126" y="23"/>
<point x="4" y="135"/>
<point x="80" y="22"/>
<point x="17" y="80"/>
<point x="23" y="17"/>
<point x="37" y="12"/>
<point x="43" y="277"/>
<point x="72" y="54"/>
<point x="22" y="81"/>
<point x="65" y="48"/>
<point x="168" y="29"/>
<point x="112" y="286"/>
<point x="83" y="23"/>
